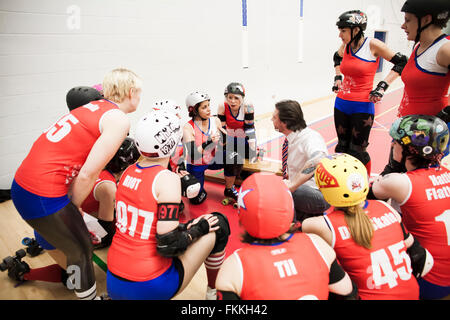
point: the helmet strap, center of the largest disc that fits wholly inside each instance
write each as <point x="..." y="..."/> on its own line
<point x="420" y="29"/>
<point x="354" y="38"/>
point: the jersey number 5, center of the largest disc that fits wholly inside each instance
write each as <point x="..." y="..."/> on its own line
<point x="64" y="125"/>
<point x="383" y="267"/>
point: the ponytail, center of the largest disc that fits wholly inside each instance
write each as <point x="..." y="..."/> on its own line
<point x="359" y="224"/>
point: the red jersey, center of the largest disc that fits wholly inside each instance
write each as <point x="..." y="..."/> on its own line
<point x="235" y="124"/>
<point x="289" y="270"/>
<point x="201" y="137"/>
<point x="426" y="82"/>
<point x="58" y="154"/>
<point x="133" y="254"/>
<point x="359" y="70"/>
<point x="426" y="214"/>
<point x="384" y="271"/>
<point x="91" y="204"/>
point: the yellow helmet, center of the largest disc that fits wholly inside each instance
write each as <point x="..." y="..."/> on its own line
<point x="342" y="179"/>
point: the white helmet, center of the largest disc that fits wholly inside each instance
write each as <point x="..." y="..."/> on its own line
<point x="157" y="134"/>
<point x="167" y="105"/>
<point x="194" y="98"/>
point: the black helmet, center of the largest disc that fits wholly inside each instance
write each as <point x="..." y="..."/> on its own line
<point x="79" y="96"/>
<point x="352" y="19"/>
<point x="235" y="88"/>
<point x="124" y="157"/>
<point x="438" y="9"/>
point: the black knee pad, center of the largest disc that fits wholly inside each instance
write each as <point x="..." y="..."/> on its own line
<point x="341" y="147"/>
<point x="359" y="153"/>
<point x="200" y="198"/>
<point x="222" y="233"/>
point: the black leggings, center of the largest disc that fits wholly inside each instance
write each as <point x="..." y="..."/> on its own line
<point x="353" y="133"/>
<point x="67" y="231"/>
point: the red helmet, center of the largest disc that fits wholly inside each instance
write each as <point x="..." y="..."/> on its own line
<point x="265" y="206"/>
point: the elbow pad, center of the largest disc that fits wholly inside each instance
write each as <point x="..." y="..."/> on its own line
<point x="336" y="272"/>
<point x="207" y="143"/>
<point x="399" y="60"/>
<point x="337" y="59"/>
<point x="421" y="260"/>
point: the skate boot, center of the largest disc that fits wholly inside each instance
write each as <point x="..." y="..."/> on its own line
<point x="231" y="196"/>
<point x="15" y="266"/>
<point x="33" y="248"/>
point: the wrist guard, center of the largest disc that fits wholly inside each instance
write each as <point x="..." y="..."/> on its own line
<point x="336" y="78"/>
<point x="175" y="242"/>
<point x="207" y="143"/>
<point x="381" y="88"/>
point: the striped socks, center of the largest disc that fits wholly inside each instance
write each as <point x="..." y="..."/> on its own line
<point x="213" y="264"/>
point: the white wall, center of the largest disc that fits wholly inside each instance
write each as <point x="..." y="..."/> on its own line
<point x="176" y="46"/>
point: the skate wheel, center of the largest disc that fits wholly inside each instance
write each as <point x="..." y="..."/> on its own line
<point x="26" y="241"/>
<point x="8" y="261"/>
<point x="21" y="253"/>
<point x="235" y="205"/>
<point x="225" y="202"/>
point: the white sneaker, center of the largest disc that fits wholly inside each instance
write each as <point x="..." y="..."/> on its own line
<point x="211" y="294"/>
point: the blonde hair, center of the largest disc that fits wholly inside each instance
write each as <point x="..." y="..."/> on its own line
<point x="118" y="82"/>
<point x="359" y="225"/>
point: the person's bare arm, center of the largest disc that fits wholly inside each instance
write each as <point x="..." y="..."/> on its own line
<point x="393" y="185"/>
<point x="115" y="127"/>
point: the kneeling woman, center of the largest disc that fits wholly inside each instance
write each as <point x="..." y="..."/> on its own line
<point x="201" y="137"/>
<point x="152" y="255"/>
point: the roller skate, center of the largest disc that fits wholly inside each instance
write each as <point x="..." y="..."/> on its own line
<point x="231" y="196"/>
<point x="15" y="266"/>
<point x="33" y="248"/>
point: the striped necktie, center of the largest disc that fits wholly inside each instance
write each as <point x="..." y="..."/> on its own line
<point x="284" y="157"/>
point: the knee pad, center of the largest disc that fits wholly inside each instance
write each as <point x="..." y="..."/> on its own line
<point x="359" y="153"/>
<point x="190" y="186"/>
<point x="200" y="198"/>
<point x="341" y="147"/>
<point x="222" y="233"/>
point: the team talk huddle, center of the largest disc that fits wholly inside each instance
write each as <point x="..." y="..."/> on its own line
<point x="322" y="230"/>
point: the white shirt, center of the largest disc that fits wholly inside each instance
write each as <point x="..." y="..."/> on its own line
<point x="302" y="145"/>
